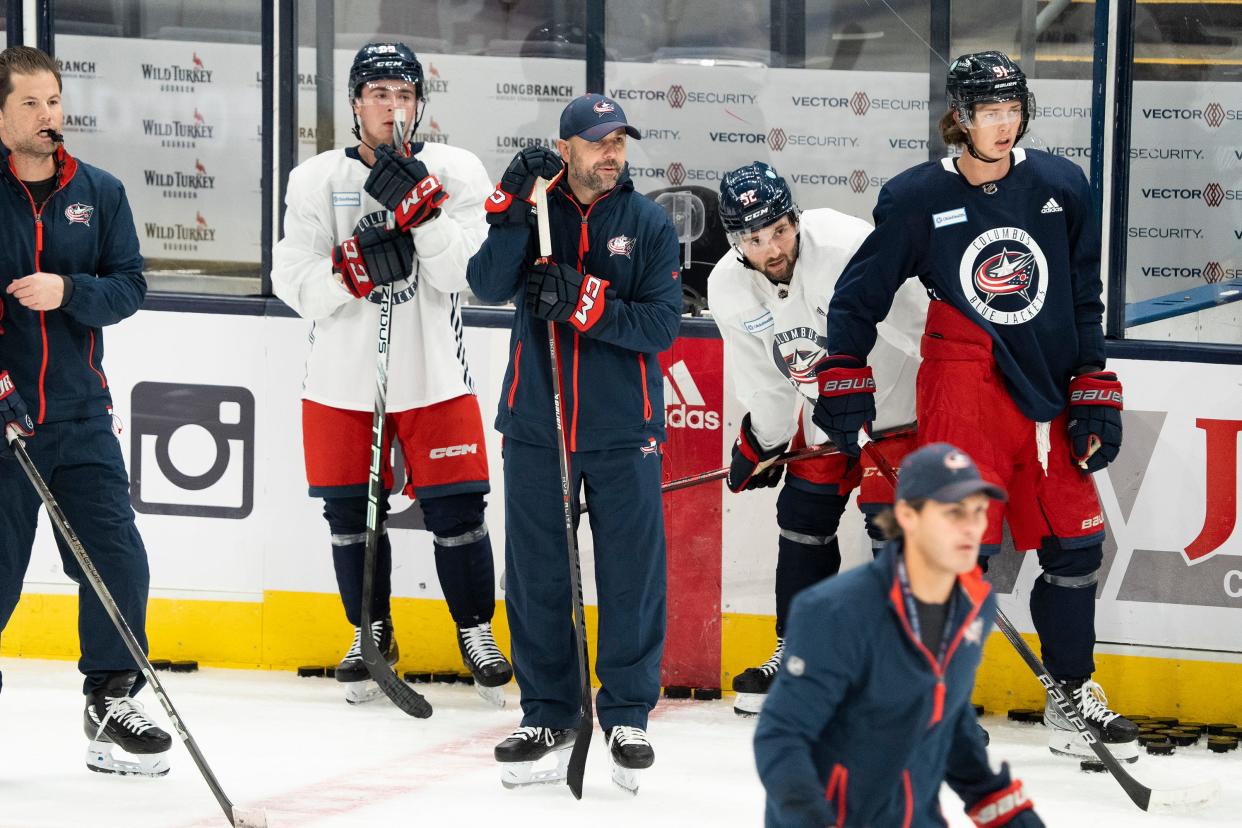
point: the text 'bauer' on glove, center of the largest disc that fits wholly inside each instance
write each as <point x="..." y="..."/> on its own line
<point x="1095" y="405"/>
<point x="375" y="257"/>
<point x="512" y="199"/>
<point x="404" y="186"/>
<point x="846" y="401"/>
<point x="12" y="412"/>
<point x="751" y="467"/>
<point x="559" y="293"/>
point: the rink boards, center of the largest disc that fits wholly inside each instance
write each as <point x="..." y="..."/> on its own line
<point x="208" y="406"/>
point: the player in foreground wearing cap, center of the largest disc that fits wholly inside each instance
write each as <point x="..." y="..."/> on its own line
<point x="769" y="296"/>
<point x="336" y="250"/>
<point x="612" y="290"/>
<point x="1013" y="354"/>
<point x="871" y="710"/>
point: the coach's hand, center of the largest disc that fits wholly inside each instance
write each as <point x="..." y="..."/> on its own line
<point x="404" y="186"/>
<point x="512" y="199"/>
<point x="376" y="256"/>
<point x="1094" y="426"/>
<point x="846" y="401"/>
<point x="751" y="467"/>
<point x="559" y="293"/>
<point x="12" y="413"/>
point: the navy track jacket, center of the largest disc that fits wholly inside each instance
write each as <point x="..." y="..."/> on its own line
<point x="860" y="727"/>
<point x="611" y="380"/>
<point x="84" y="232"/>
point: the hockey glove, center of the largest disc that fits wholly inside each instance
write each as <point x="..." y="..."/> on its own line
<point x="375" y="257"/>
<point x="12" y="412"/>
<point x="512" y="200"/>
<point x="1094" y="419"/>
<point x="561" y="294"/>
<point x="846" y="401"/>
<point x="1008" y="806"/>
<point x="751" y="467"/>
<point x="404" y="186"/>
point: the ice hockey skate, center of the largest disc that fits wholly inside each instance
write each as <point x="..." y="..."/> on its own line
<point x="1115" y="731"/>
<point x="114" y="720"/>
<point x="352" y="672"/>
<point x="751" y="685"/>
<point x="524" y="756"/>
<point x="485" y="661"/>
<point x="629" y="751"/>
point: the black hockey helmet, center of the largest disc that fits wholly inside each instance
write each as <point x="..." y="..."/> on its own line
<point x="754" y="197"/>
<point x="385" y="61"/>
<point x="987" y="77"/>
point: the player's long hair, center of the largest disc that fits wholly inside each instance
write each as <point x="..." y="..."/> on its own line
<point x="887" y="520"/>
<point x="951" y="131"/>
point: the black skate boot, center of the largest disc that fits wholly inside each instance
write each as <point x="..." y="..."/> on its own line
<point x="630" y="752"/>
<point x="751" y="685"/>
<point x="521" y="751"/>
<point x="485" y="661"/>
<point x="1115" y="731"/>
<point x="113" y="719"/>
<point x="353" y="673"/>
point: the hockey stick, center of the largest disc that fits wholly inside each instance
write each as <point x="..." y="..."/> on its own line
<point x="582" y="739"/>
<point x="401" y="694"/>
<point x="1171" y="799"/>
<point x="804" y="453"/>
<point x="238" y="817"/>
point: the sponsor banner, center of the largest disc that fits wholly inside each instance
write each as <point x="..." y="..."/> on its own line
<point x="693" y="408"/>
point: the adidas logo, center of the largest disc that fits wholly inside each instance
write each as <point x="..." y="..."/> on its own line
<point x="1051" y="207"/>
<point x="683" y="402"/>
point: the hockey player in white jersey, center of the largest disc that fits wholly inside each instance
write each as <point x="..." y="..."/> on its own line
<point x="769" y="295"/>
<point x="335" y="251"/>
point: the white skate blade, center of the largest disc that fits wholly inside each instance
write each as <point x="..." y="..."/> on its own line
<point x="495" y="696"/>
<point x="625" y="778"/>
<point x="99" y="758"/>
<point x="748" y="704"/>
<point x="361" y="692"/>
<point x="523" y="774"/>
<point x="1183" y="799"/>
<point x="1070" y="743"/>
<point x="249" y="818"/>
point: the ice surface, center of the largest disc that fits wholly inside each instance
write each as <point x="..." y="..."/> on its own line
<point x="292" y="747"/>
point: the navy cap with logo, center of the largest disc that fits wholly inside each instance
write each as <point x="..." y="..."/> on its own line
<point x="944" y="473"/>
<point x="591" y="117"/>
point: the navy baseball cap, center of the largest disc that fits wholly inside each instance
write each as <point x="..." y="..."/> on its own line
<point x="944" y="473"/>
<point x="592" y="116"/>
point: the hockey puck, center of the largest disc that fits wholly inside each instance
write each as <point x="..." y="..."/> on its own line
<point x="310" y="671"/>
<point x="707" y="693"/>
<point x="329" y="672"/>
<point x="1197" y="727"/>
<point x="1218" y="728"/>
<point x="978" y="709"/>
<point x="1166" y="721"/>
<point x="444" y="678"/>
<point x="465" y="679"/>
<point x="1136" y="719"/>
<point x="1025" y="714"/>
<point x="1161" y="748"/>
<point x="1222" y="744"/>
<point x="160" y="663"/>
<point x="1235" y="732"/>
<point x="1150" y="738"/>
<point x="1092" y="766"/>
<point x="188" y="666"/>
<point x="676" y="692"/>
<point x="1183" y="738"/>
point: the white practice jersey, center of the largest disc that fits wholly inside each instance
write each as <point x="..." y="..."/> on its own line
<point x="325" y="204"/>
<point x="775" y="335"/>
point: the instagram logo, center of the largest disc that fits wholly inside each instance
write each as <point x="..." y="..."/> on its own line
<point x="192" y="450"/>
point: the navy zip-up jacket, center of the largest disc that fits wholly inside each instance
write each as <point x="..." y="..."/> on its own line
<point x="84" y="232"/>
<point x="862" y="721"/>
<point x="612" y="384"/>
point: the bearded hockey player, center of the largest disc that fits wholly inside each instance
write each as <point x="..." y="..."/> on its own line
<point x="769" y="296"/>
<point x="1013" y="354"/>
<point x="335" y="252"/>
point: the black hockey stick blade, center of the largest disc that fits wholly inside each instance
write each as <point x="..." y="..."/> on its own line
<point x="401" y="694"/>
<point x="1156" y="801"/>
<point x="576" y="770"/>
<point x="239" y="818"/>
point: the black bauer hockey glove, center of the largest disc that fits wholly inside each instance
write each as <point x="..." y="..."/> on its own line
<point x="512" y="201"/>
<point x="12" y="413"/>
<point x="846" y="401"/>
<point x="376" y="256"/>
<point x="751" y="467"/>
<point x="559" y="293"/>
<point x="1095" y="404"/>
<point x="404" y="186"/>
<point x="1007" y="807"/>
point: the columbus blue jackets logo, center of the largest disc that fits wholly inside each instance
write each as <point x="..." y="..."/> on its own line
<point x="79" y="213"/>
<point x="1004" y="276"/>
<point x="622" y="246"/>
<point x="798" y="353"/>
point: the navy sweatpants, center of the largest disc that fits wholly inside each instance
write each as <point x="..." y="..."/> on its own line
<point x="81" y="462"/>
<point x="627" y="520"/>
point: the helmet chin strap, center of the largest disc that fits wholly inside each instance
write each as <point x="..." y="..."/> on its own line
<point x="970" y="147"/>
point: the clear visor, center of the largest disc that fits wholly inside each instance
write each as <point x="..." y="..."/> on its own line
<point x="388" y="93"/>
<point x="996" y="113"/>
<point x="754" y="241"/>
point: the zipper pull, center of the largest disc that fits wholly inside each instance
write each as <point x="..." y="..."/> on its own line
<point x="584" y="243"/>
<point x="38" y="235"/>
